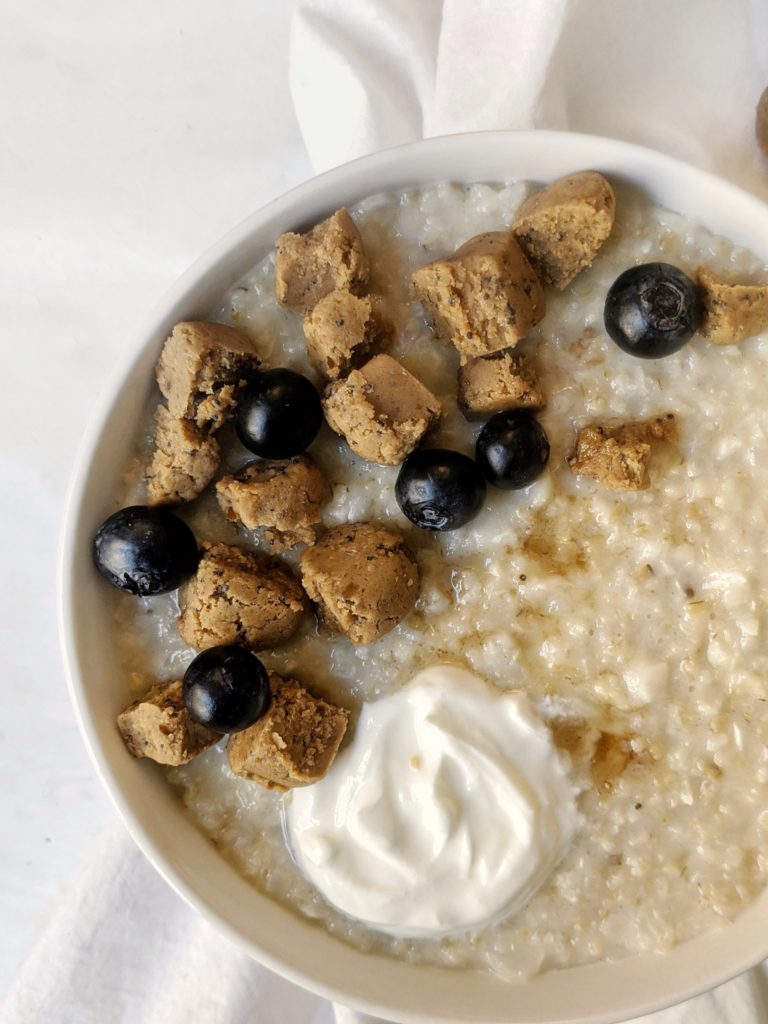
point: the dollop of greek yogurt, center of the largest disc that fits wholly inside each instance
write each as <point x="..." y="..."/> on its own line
<point x="447" y="812"/>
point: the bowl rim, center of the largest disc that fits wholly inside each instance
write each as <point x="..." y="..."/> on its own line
<point x="395" y="1001"/>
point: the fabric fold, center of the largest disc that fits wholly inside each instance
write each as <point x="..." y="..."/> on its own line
<point x="362" y="74"/>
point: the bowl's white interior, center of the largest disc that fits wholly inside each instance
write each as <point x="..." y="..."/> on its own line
<point x="291" y="945"/>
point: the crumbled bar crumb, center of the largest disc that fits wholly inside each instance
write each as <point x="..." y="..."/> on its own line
<point x="484" y="297"/>
<point x="308" y="267"/>
<point x="282" y="499"/>
<point x="202" y="371"/>
<point x="732" y="312"/>
<point x="658" y="428"/>
<point x="620" y="467"/>
<point x="619" y="457"/>
<point x="491" y="384"/>
<point x="158" y="726"/>
<point x="362" y="579"/>
<point x="761" y="123"/>
<point x="562" y="227"/>
<point x="239" y="596"/>
<point x="341" y="331"/>
<point x="294" y="744"/>
<point x="382" y="410"/>
<point x="184" y="460"/>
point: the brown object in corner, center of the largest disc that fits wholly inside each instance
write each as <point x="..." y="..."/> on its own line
<point x="761" y="123"/>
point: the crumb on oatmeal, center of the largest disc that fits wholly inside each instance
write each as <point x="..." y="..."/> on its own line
<point x="381" y="410"/>
<point x="310" y="266"/>
<point x="482" y="298"/>
<point x="619" y="457"/>
<point x="158" y="726"/>
<point x="294" y="743"/>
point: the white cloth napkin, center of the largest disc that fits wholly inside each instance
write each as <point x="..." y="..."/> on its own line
<point x="680" y="76"/>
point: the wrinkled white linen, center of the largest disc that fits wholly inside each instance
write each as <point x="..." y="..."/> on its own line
<point x="681" y="77"/>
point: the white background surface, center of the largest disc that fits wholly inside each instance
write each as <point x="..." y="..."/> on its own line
<point x="132" y="136"/>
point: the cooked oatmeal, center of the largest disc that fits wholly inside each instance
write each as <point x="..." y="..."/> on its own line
<point x="635" y="620"/>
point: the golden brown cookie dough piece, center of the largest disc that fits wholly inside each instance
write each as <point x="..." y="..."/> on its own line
<point x="158" y="726"/>
<point x="341" y="331"/>
<point x="484" y="297"/>
<point x="308" y="267"/>
<point x="562" y="227"/>
<point x="732" y="312"/>
<point x="294" y="743"/>
<point x="658" y="428"/>
<point x="202" y="371"/>
<point x="282" y="499"/>
<point x="619" y="457"/>
<point x="381" y="410"/>
<point x="239" y="596"/>
<point x="362" y="579"/>
<point x="184" y="460"/>
<point x="620" y="467"/>
<point x="494" y="383"/>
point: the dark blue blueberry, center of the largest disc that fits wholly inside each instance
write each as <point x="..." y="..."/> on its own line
<point x="145" y="550"/>
<point x="226" y="688"/>
<point x="652" y="310"/>
<point x="512" y="449"/>
<point x="439" y="489"/>
<point x="279" y="414"/>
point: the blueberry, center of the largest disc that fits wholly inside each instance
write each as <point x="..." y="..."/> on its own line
<point x="279" y="414"/>
<point x="226" y="688"/>
<point x="652" y="310"/>
<point x="145" y="550"/>
<point x="438" y="489"/>
<point x="512" y="449"/>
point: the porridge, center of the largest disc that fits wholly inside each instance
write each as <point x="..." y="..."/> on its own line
<point x="634" y="619"/>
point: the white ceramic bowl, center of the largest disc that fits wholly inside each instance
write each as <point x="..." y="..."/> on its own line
<point x="282" y="940"/>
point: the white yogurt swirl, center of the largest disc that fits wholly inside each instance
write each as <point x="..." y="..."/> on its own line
<point x="447" y="812"/>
